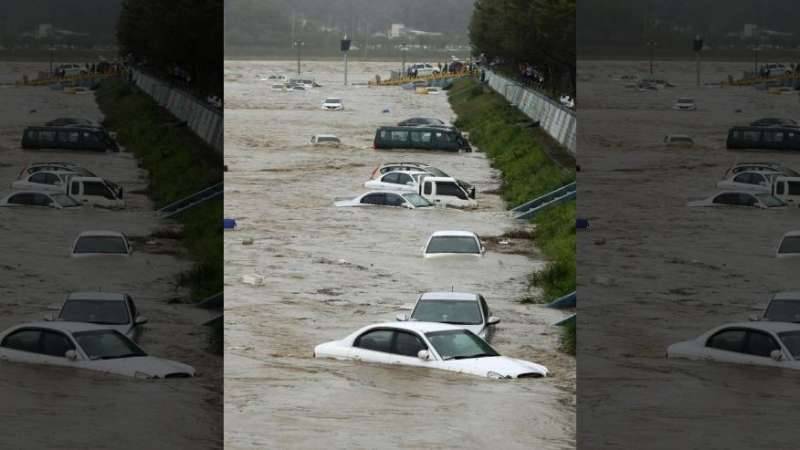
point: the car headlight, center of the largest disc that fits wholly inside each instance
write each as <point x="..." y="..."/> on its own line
<point x="496" y="376"/>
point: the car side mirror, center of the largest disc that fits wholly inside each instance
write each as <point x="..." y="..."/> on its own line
<point x="140" y="320"/>
<point x="71" y="355"/>
<point x="402" y="317"/>
<point x="493" y="320"/>
<point x="776" y="355"/>
<point x="424" y="355"/>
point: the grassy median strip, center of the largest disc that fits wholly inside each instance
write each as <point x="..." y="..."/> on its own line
<point x="179" y="164"/>
<point x="518" y="151"/>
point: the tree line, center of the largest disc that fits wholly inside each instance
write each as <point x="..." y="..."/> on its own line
<point x="175" y="38"/>
<point x="528" y="32"/>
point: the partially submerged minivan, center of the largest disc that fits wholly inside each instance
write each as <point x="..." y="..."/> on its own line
<point x="68" y="137"/>
<point x="445" y="191"/>
<point x="770" y="138"/>
<point x="96" y="191"/>
<point x="787" y="189"/>
<point x="424" y="138"/>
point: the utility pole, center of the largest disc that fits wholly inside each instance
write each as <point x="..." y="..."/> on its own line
<point x="652" y="45"/>
<point x="403" y="50"/>
<point x="298" y="45"/>
<point x="698" y="47"/>
<point x="345" y="47"/>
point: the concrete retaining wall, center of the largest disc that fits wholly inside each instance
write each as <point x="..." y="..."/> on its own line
<point x="558" y="121"/>
<point x="205" y="120"/>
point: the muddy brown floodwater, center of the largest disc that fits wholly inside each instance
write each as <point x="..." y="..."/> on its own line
<point x="668" y="273"/>
<point x="47" y="407"/>
<point x="328" y="271"/>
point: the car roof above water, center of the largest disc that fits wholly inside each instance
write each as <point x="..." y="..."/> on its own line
<point x="446" y="296"/>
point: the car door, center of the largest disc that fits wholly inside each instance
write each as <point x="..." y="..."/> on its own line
<point x="395" y="200"/>
<point x="405" y="347"/>
<point x="759" y="346"/>
<point x="727" y="345"/>
<point x="373" y="346"/>
<point x="389" y="181"/>
<point x="405" y="182"/>
<point x="24" y="199"/>
<point x="21" y="346"/>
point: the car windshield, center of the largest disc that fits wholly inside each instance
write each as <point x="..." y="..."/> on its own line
<point x="791" y="340"/>
<point x="327" y="139"/>
<point x="456" y="312"/>
<point x="681" y="139"/>
<point x="453" y="244"/>
<point x="105" y="312"/>
<point x="783" y="311"/>
<point x="107" y="344"/>
<point x="100" y="244"/>
<point x="790" y="244"/>
<point x="459" y="344"/>
<point x="770" y="201"/>
<point x="417" y="200"/>
<point x="685" y="100"/>
<point x="65" y="200"/>
<point x="333" y="100"/>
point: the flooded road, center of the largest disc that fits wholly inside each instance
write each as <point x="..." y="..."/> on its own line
<point x="83" y="409"/>
<point x="328" y="271"/>
<point x="667" y="273"/>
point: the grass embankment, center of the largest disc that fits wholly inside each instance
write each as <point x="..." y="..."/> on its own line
<point x="179" y="164"/>
<point x="519" y="152"/>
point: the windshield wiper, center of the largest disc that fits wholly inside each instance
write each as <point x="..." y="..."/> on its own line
<point x="125" y="355"/>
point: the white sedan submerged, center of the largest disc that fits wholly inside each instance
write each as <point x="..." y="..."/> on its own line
<point x="775" y="344"/>
<point x="408" y="200"/>
<point x="431" y="345"/>
<point x="449" y="243"/>
<point x="85" y="346"/>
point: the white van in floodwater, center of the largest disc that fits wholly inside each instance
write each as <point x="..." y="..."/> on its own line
<point x="787" y="189"/>
<point x="445" y="191"/>
<point x="95" y="191"/>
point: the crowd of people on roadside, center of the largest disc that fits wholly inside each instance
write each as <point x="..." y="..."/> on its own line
<point x="530" y="75"/>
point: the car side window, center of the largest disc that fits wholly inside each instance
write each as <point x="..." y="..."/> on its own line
<point x="373" y="199"/>
<point x="428" y="189"/>
<point x="727" y="199"/>
<point x="392" y="178"/>
<point x="743" y="178"/>
<point x="746" y="200"/>
<point x="23" y="340"/>
<point x="407" y="344"/>
<point x="394" y="200"/>
<point x="96" y="188"/>
<point x="41" y="200"/>
<point x="447" y="188"/>
<point x="21" y="199"/>
<point x="75" y="189"/>
<point x="51" y="178"/>
<point x="794" y="187"/>
<point x="38" y="177"/>
<point x="376" y="340"/>
<point x="760" y="344"/>
<point x="729" y="340"/>
<point x="404" y="178"/>
<point x="55" y="344"/>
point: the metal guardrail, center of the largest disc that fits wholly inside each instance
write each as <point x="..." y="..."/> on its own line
<point x="557" y="120"/>
<point x="191" y="201"/>
<point x="567" y="301"/>
<point x="206" y="121"/>
<point x="569" y="320"/>
<point x="529" y="209"/>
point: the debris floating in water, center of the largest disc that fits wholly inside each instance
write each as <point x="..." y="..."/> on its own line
<point x="229" y="224"/>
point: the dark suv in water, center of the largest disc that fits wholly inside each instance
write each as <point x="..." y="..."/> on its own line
<point x="69" y="137"/>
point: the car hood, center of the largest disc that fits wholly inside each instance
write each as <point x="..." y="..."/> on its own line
<point x="502" y="365"/>
<point x="143" y="367"/>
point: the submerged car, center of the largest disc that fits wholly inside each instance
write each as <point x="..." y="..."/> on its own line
<point x="333" y="104"/>
<point x="326" y="139"/>
<point x="464" y="309"/>
<point x="411" y="166"/>
<point x="42" y="199"/>
<point x="44" y="180"/>
<point x="782" y="307"/>
<point x="684" y="104"/>
<point x="449" y="243"/>
<point x="417" y="121"/>
<point x="94" y="243"/>
<point x="678" y="140"/>
<point x="396" y="181"/>
<point x="789" y="246"/>
<point x="775" y="344"/>
<point x="54" y="166"/>
<point x="408" y="200"/>
<point x="430" y="345"/>
<point x="764" y="166"/>
<point x="113" y="310"/>
<point x="741" y="198"/>
<point x="85" y="346"/>
<point x="749" y="181"/>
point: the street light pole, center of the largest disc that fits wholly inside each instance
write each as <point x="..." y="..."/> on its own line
<point x="298" y="44"/>
<point x="403" y="50"/>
